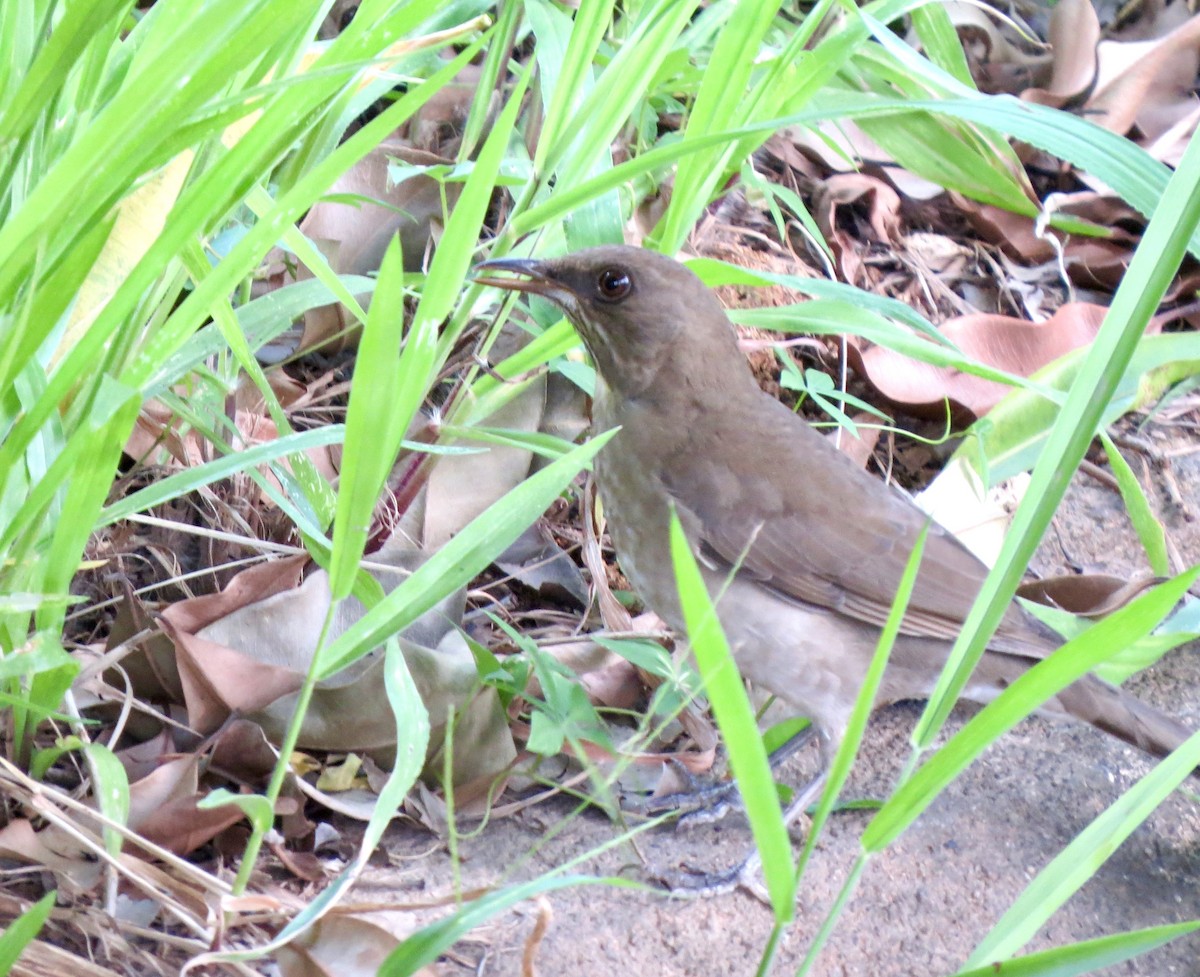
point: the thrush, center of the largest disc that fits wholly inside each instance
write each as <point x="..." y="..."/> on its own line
<point x="804" y="548"/>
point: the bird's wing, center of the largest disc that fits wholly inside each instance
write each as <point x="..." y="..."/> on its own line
<point x="807" y="522"/>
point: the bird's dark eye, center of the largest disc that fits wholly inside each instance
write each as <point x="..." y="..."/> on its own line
<point x="613" y="284"/>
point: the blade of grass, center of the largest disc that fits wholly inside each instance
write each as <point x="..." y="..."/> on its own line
<point x="722" y="90"/>
<point x="1075" y="658"/>
<point x="1141" y="290"/>
<point x="1079" y="861"/>
<point x="467" y="554"/>
<point x="564" y="82"/>
<point x="24" y="930"/>
<point x="1087" y="957"/>
<point x="1145" y="523"/>
<point x="735" y="716"/>
<point x="391" y="381"/>
<point x="427" y="944"/>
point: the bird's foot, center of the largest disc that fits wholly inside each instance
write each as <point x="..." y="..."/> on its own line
<point x="702" y="801"/>
<point x="686" y="883"/>
<point x="706" y="801"/>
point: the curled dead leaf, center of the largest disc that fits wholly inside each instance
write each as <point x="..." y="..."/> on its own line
<point x="1091" y="595"/>
<point x="246" y="651"/>
<point x="1000" y="341"/>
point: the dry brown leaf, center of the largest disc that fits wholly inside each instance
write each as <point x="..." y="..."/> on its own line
<point x="1005" y="342"/>
<point x="249" y="657"/>
<point x="858" y="446"/>
<point x="868" y="205"/>
<point x="1169" y="146"/>
<point x="1090" y="261"/>
<point x="218" y="680"/>
<point x="164" y="811"/>
<point x="1074" y="34"/>
<point x="241" y="751"/>
<point x="460" y="487"/>
<point x="54" y="849"/>
<point x="1091" y="595"/>
<point x="345" y="945"/>
<point x="997" y="64"/>
<point x="536" y="561"/>
<point x="1149" y="83"/>
<point x="618" y="685"/>
<point x="302" y="864"/>
<point x="613" y="613"/>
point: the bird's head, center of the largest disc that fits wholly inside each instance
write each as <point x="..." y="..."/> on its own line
<point x="637" y="311"/>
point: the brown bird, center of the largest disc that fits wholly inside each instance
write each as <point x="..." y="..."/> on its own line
<point x="819" y="545"/>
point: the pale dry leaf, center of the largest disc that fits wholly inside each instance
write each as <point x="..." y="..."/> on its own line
<point x="462" y="486"/>
<point x="979" y="517"/>
<point x="43" y="959"/>
<point x="250" y="657"/>
<point x="1074" y="34"/>
<point x="54" y="849"/>
<point x="1148" y="83"/>
<point x="346" y="945"/>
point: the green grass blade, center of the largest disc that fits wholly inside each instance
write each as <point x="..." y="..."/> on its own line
<point x="1088" y="957"/>
<point x="722" y="90"/>
<point x="1145" y="523"/>
<point x="1142" y="288"/>
<point x="466" y="555"/>
<point x="24" y="930"/>
<point x="1080" y="860"/>
<point x="735" y="716"/>
<point x="1075" y="658"/>
<point x="427" y="944"/>
<point x="565" y="80"/>
<point x="391" y="381"/>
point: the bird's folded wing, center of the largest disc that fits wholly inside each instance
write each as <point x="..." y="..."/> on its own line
<point x="834" y="536"/>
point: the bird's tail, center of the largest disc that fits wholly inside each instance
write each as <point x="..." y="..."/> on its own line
<point x="1120" y="714"/>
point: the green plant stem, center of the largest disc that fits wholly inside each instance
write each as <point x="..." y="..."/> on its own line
<point x="835" y="912"/>
<point x="286" y="748"/>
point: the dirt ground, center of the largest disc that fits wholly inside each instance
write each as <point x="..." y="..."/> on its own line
<point x="923" y="904"/>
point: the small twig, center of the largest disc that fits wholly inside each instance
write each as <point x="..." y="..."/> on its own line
<point x="1099" y="474"/>
<point x="534" y="942"/>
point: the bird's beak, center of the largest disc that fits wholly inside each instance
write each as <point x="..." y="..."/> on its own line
<point x="534" y="276"/>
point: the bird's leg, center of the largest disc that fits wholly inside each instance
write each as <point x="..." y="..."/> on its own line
<point x="691" y="884"/>
<point x="704" y="801"/>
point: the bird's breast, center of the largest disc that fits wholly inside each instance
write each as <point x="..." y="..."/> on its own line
<point x="637" y="511"/>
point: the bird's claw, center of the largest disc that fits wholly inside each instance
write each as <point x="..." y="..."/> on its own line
<point x="702" y="801"/>
<point x="686" y="883"/>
